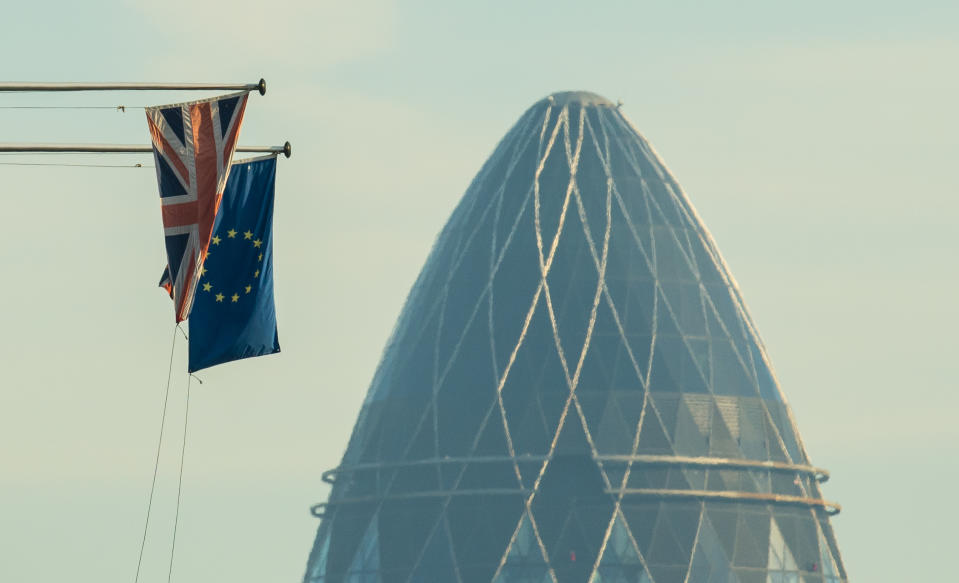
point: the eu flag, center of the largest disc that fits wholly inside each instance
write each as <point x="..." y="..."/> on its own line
<point x="233" y="313"/>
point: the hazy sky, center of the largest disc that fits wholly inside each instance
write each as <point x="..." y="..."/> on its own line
<point x="817" y="141"/>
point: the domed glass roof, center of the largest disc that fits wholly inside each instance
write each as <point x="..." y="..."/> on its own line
<point x="574" y="391"/>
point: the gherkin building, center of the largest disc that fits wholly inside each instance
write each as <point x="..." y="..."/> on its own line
<point x="574" y="392"/>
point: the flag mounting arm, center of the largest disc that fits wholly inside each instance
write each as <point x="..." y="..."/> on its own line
<point x="259" y="86"/>
<point x="286" y="149"/>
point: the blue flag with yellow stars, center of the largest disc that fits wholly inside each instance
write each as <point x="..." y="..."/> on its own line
<point x="233" y="313"/>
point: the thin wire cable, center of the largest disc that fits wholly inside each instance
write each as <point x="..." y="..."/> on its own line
<point x="179" y="487"/>
<point x="156" y="464"/>
<point x="71" y="154"/>
<point x="76" y="165"/>
<point x="120" y="108"/>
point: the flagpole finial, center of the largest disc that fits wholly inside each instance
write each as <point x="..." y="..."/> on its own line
<point x="261" y="86"/>
<point x="287" y="150"/>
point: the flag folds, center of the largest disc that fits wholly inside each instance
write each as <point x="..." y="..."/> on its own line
<point x="193" y="146"/>
<point x="234" y="315"/>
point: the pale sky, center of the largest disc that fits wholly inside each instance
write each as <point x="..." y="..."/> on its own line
<point x="818" y="143"/>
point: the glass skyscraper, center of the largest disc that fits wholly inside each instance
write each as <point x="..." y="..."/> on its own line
<point x="574" y="392"/>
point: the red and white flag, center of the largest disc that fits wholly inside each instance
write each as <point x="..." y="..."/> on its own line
<point x="193" y="146"/>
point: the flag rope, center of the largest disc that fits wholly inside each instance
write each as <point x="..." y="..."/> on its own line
<point x="179" y="487"/>
<point x="156" y="464"/>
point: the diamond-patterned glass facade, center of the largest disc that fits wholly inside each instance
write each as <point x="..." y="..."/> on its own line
<point x="574" y="392"/>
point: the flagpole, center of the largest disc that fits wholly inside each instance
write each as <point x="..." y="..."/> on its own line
<point x="260" y="86"/>
<point x="286" y="149"/>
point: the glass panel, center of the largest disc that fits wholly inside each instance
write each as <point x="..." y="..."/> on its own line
<point x="672" y="264"/>
<point x="652" y="437"/>
<point x="404" y="527"/>
<point x="480" y="527"/>
<point x="349" y="526"/>
<point x="613" y="435"/>
<point x="641" y="520"/>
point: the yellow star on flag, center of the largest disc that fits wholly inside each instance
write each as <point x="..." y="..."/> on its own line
<point x="248" y="288"/>
<point x="257" y="243"/>
<point x="215" y="240"/>
<point x="248" y="235"/>
<point x="202" y="271"/>
<point x="260" y="258"/>
<point x="207" y="286"/>
<point x="231" y="234"/>
<point x="219" y="297"/>
<point x="235" y="298"/>
<point x="257" y="274"/>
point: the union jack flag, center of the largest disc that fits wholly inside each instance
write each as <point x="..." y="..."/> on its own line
<point x="193" y="146"/>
